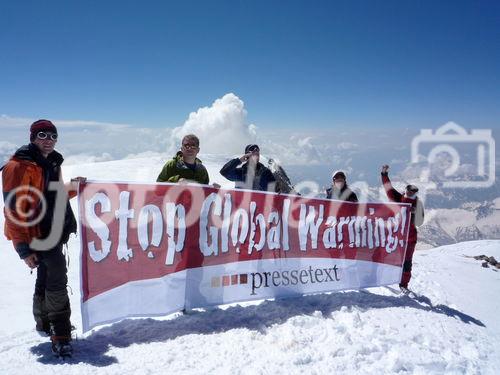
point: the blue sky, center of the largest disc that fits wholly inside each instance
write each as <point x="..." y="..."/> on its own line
<point x="295" y="64"/>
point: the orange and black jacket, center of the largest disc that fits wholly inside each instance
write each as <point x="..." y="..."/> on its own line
<point x="25" y="182"/>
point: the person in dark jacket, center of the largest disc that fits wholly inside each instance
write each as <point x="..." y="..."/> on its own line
<point x="417" y="219"/>
<point x="339" y="189"/>
<point x="252" y="175"/>
<point x="39" y="228"/>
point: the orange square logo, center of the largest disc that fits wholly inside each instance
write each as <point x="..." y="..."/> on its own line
<point x="234" y="279"/>
<point x="215" y="282"/>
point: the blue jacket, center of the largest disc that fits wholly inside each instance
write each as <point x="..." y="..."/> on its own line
<point x="263" y="179"/>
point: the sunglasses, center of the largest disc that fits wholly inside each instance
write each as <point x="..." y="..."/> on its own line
<point x="412" y="188"/>
<point x="44" y="135"/>
<point x="188" y="146"/>
<point x="254" y="149"/>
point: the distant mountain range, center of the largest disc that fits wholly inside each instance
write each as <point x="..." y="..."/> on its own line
<point x="471" y="221"/>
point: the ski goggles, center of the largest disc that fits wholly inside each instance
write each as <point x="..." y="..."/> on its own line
<point x="46" y="135"/>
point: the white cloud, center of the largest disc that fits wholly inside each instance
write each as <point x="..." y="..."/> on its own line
<point x="16" y="122"/>
<point x="347" y="146"/>
<point x="8" y="121"/>
<point x="6" y="150"/>
<point x="497" y="203"/>
<point x="7" y="147"/>
<point x="222" y="127"/>
<point x="398" y="161"/>
<point x="295" y="149"/>
<point x="302" y="150"/>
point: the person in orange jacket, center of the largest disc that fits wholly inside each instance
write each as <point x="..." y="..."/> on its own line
<point x="417" y="219"/>
<point x="31" y="182"/>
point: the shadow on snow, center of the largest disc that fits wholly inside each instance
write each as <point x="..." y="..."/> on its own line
<point x="92" y="350"/>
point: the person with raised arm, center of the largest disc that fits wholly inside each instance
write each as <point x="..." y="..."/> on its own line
<point x="252" y="174"/>
<point x="417" y="219"/>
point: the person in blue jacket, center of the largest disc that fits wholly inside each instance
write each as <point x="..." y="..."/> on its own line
<point x="252" y="175"/>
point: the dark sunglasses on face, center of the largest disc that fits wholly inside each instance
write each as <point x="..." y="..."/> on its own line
<point x="190" y="146"/>
<point x="44" y="135"/>
<point x="412" y="189"/>
<point x="254" y="149"/>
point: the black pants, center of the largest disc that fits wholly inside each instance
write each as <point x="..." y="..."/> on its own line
<point x="50" y="300"/>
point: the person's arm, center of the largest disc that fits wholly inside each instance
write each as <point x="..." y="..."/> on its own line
<point x="270" y="181"/>
<point x="329" y="193"/>
<point x="167" y="173"/>
<point x="206" y="177"/>
<point x="392" y="193"/>
<point x="18" y="198"/>
<point x="72" y="186"/>
<point x="353" y="197"/>
<point x="230" y="170"/>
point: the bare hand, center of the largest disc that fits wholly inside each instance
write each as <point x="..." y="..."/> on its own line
<point x="77" y="180"/>
<point x="245" y="157"/>
<point x="31" y="261"/>
<point x="385" y="168"/>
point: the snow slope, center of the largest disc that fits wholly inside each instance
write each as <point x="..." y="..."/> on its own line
<point x="450" y="327"/>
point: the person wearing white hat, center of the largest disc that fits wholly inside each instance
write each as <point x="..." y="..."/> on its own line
<point x="339" y="189"/>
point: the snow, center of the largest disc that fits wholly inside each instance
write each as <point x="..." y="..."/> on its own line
<point x="451" y="326"/>
<point x="141" y="169"/>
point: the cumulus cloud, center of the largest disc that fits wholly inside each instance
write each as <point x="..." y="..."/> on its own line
<point x="496" y="203"/>
<point x="222" y="127"/>
<point x="296" y="150"/>
<point x="347" y="146"/>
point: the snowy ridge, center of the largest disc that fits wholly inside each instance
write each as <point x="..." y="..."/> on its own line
<point x="451" y="326"/>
